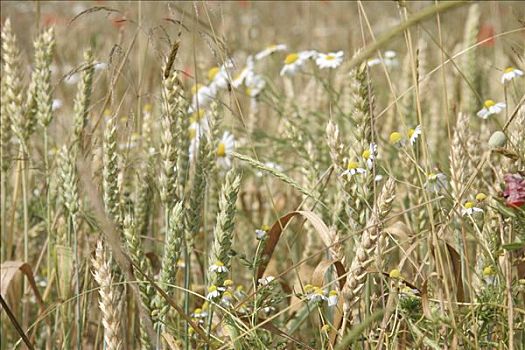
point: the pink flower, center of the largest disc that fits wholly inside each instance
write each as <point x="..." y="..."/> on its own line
<point x="514" y="192"/>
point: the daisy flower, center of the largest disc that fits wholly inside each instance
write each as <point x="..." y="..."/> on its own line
<point x="332" y="297"/>
<point x="352" y="169"/>
<point x="227" y="299"/>
<point x="270" y="50"/>
<point x="390" y="58"/>
<point x="373" y="62"/>
<point x="490" y="107"/>
<point x="413" y="134"/>
<point x="510" y="73"/>
<point x="199" y="313"/>
<point x="469" y="208"/>
<point x="218" y="77"/>
<point x="261" y="233"/>
<point x="308" y="54"/>
<point x="245" y="73"/>
<point x="266" y="280"/>
<point x="436" y="182"/>
<point x="369" y="155"/>
<point x="316" y="295"/>
<point x="292" y="63"/>
<point x="396" y="138"/>
<point x="254" y="85"/>
<point x="57" y="103"/>
<point x="218" y="267"/>
<point x="213" y="292"/>
<point x="200" y="120"/>
<point x="329" y="60"/>
<point x="202" y="95"/>
<point x="224" y="150"/>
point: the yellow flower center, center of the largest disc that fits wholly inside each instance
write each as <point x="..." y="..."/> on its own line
<point x="330" y="57"/>
<point x="212" y="288"/>
<point x="395" y="273"/>
<point x="197" y="116"/>
<point x="228" y="283"/>
<point x="366" y="154"/>
<point x="469" y="205"/>
<point x="271" y="47"/>
<point x="212" y="73"/>
<point x="197" y="311"/>
<point x="291" y="58"/>
<point x="248" y="91"/>
<point x="195" y="88"/>
<point x="332" y="293"/>
<point x="219" y="263"/>
<point x="107" y="112"/>
<point x="481" y="196"/>
<point x="509" y="69"/>
<point x="488" y="271"/>
<point x="411" y="132"/>
<point x="395" y="137"/>
<point x="221" y="150"/>
<point x="352" y="165"/>
<point x="431" y="176"/>
<point x="148" y="107"/>
<point x="489" y="103"/>
<point x="265" y="228"/>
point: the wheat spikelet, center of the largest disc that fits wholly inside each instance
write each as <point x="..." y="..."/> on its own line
<point x="335" y="145"/>
<point x="108" y="299"/>
<point x="110" y="172"/>
<point x="83" y="97"/>
<point x="44" y="46"/>
<point x="223" y="233"/>
<point x="172" y="252"/>
<point x="169" y="138"/>
<point x="471" y="69"/>
<point x="11" y="75"/>
<point x="68" y="190"/>
<point x="459" y="156"/>
<point x="364" y="252"/>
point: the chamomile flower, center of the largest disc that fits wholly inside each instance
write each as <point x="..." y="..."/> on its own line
<point x="389" y="58"/>
<point x="489" y="274"/>
<point x="218" y="77"/>
<point x="469" y="208"/>
<point x="316" y="295"/>
<point x="369" y="155"/>
<point x="333" y="295"/>
<point x="436" y="182"/>
<point x="261" y="233"/>
<point x="480" y="197"/>
<point x="218" y="267"/>
<point x="308" y="54"/>
<point x="329" y="60"/>
<point x="510" y="73"/>
<point x="490" y="107"/>
<point x="270" y="50"/>
<point x="213" y="292"/>
<point x="199" y="313"/>
<point x="413" y="134"/>
<point x="227" y="299"/>
<point x="246" y="72"/>
<point x="373" y="62"/>
<point x="292" y="63"/>
<point x="353" y="168"/>
<point x="396" y="138"/>
<point x="266" y="280"/>
<point x="200" y="120"/>
<point x="254" y="85"/>
<point x="202" y="96"/>
<point x="224" y="150"/>
<point x="57" y="103"/>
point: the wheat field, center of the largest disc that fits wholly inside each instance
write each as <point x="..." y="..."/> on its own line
<point x="262" y="175"/>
